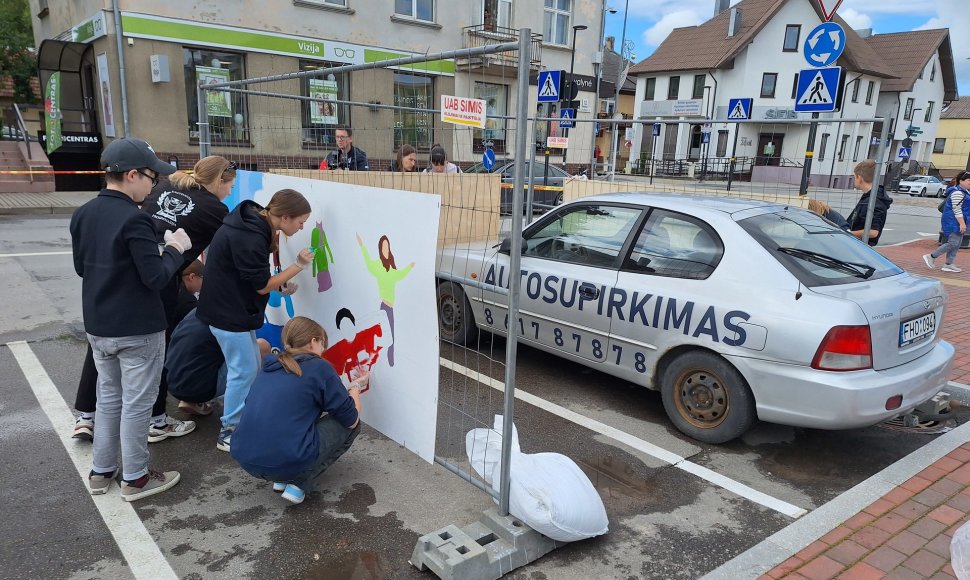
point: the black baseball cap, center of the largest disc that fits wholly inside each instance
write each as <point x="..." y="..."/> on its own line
<point x="126" y="154"/>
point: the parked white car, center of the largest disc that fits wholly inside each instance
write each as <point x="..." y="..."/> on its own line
<point x="922" y="185"/>
<point x="735" y="310"/>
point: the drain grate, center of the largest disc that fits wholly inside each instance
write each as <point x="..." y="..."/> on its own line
<point x="926" y="427"/>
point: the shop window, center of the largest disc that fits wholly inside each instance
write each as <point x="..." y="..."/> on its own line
<point x="228" y="118"/>
<point x="556" y="21"/>
<point x="792" y="32"/>
<point x="322" y="115"/>
<point x="413" y="127"/>
<point x="768" y="82"/>
<point x="496" y="99"/>
<point x="417" y="9"/>
<point x="547" y="129"/>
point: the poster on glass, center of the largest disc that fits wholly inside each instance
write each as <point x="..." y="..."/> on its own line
<point x="104" y="81"/>
<point x="323" y="107"/>
<point x="218" y="103"/>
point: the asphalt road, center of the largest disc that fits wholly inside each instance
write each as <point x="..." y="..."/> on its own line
<point x="667" y="519"/>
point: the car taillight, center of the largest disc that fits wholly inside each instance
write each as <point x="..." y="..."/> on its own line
<point x="844" y="348"/>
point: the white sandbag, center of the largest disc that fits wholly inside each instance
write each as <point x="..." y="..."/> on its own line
<point x="548" y="491"/>
<point x="960" y="552"/>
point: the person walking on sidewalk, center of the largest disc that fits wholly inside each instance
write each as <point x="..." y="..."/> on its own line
<point x="237" y="286"/>
<point x="956" y="214"/>
<point x="122" y="272"/>
<point x="306" y="419"/>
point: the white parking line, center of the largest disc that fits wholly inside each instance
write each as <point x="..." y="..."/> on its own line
<point x="32" y="254"/>
<point x="141" y="553"/>
<point x="660" y="453"/>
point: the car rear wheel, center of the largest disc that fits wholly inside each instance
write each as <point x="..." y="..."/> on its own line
<point x="456" y="323"/>
<point x="707" y="398"/>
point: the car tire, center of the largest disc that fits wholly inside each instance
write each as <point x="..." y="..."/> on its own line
<point x="922" y="192"/>
<point x="941" y="192"/>
<point x="706" y="397"/>
<point x="456" y="322"/>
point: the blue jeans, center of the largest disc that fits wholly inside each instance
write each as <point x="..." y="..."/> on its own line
<point x="951" y="247"/>
<point x="242" y="366"/>
<point x="335" y="440"/>
<point x="129" y="369"/>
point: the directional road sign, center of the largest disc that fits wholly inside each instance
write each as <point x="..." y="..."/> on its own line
<point x="904" y="152"/>
<point x="824" y="44"/>
<point x="488" y="159"/>
<point x="818" y="90"/>
<point x="566" y="118"/>
<point x="549" y="86"/>
<point x="739" y="109"/>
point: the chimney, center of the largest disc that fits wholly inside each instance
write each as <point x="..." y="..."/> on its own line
<point x="864" y="32"/>
<point x="734" y="23"/>
<point x="721" y="6"/>
<point x="609" y="43"/>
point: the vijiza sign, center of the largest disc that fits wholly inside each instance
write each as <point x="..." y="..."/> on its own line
<point x="463" y="111"/>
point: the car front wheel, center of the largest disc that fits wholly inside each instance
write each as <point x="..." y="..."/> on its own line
<point x="456" y="323"/>
<point x="707" y="398"/>
<point x="922" y="192"/>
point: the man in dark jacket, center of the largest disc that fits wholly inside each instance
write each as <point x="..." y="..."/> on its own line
<point x="117" y="256"/>
<point x="347" y="156"/>
<point x="864" y="176"/>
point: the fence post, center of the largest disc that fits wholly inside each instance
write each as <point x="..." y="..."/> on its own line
<point x="515" y="261"/>
<point x="876" y="179"/>
<point x="202" y="96"/>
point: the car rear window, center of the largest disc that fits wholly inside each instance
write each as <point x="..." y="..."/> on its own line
<point x="816" y="251"/>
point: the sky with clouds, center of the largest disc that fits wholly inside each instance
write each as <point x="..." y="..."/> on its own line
<point x="650" y="21"/>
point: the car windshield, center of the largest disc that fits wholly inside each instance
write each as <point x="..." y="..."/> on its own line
<point x="815" y="251"/>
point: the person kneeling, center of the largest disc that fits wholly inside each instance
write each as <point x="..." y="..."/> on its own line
<point x="299" y="417"/>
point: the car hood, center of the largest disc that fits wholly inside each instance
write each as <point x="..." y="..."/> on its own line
<point x="888" y="303"/>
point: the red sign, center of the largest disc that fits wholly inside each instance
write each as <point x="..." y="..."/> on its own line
<point x="828" y="14"/>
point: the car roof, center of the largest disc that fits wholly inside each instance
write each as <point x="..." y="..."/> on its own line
<point x="696" y="204"/>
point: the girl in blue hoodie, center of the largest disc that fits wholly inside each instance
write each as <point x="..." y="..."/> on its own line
<point x="283" y="438"/>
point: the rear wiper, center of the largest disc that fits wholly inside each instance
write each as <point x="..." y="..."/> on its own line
<point x="857" y="270"/>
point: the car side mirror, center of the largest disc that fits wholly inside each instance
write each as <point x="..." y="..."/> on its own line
<point x="506" y="246"/>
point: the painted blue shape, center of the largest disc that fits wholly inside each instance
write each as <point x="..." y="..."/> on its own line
<point x="818" y="90"/>
<point x="488" y="159"/>
<point x="549" y="86"/>
<point x="245" y="187"/>
<point x="824" y="44"/>
<point x="739" y="109"/>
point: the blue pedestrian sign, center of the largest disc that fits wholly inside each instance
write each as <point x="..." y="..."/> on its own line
<point x="739" y="109"/>
<point x="904" y="152"/>
<point x="549" y="86"/>
<point x="818" y="90"/>
<point x="566" y="118"/>
<point x="706" y="137"/>
<point x="656" y="129"/>
<point x="824" y="44"/>
<point x="488" y="159"/>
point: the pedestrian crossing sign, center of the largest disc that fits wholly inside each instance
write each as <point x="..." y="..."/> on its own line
<point x="818" y="90"/>
<point x="549" y="86"/>
<point x="567" y="118"/>
<point x="739" y="109"/>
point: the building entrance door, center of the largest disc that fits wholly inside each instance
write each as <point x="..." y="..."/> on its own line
<point x="769" y="148"/>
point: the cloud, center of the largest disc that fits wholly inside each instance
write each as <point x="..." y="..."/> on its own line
<point x="931" y="24"/>
<point x="874" y="7"/>
<point x="856" y="20"/>
<point x="656" y="34"/>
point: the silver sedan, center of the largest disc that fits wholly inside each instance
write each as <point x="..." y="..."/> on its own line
<point x="735" y="310"/>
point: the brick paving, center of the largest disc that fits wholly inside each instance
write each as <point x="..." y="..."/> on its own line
<point x="906" y="533"/>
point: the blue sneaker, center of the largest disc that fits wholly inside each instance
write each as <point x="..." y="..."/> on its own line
<point x="225" y="434"/>
<point x="279" y="486"/>
<point x="293" y="494"/>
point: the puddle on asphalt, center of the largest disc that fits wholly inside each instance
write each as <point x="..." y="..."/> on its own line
<point x="612" y="477"/>
<point x="366" y="565"/>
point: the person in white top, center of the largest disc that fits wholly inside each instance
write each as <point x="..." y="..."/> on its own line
<point x="439" y="161"/>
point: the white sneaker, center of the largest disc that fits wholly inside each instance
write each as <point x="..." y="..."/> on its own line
<point x="173" y="428"/>
<point x="930" y="262"/>
<point x="951" y="268"/>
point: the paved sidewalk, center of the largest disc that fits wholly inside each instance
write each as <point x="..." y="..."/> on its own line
<point x="58" y="202"/>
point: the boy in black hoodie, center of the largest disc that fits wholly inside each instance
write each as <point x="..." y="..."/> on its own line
<point x="865" y="172"/>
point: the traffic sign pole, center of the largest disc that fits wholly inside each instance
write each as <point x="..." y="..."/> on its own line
<point x="877" y="180"/>
<point x="809" y="155"/>
<point x="734" y="152"/>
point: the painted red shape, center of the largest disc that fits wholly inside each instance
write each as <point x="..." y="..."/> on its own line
<point x="345" y="355"/>
<point x="828" y="14"/>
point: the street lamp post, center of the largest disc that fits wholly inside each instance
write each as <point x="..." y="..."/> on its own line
<point x="572" y="64"/>
<point x="599" y="79"/>
<point x="908" y="139"/>
<point x="616" y="93"/>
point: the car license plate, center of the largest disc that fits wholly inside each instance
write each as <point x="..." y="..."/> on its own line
<point x="917" y="329"/>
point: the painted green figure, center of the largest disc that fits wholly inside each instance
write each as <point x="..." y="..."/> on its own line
<point x="385" y="271"/>
<point x="322" y="257"/>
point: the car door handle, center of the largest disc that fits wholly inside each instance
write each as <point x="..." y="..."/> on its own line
<point x="587" y="290"/>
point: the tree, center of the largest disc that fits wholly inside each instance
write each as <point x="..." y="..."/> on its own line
<point x="18" y="59"/>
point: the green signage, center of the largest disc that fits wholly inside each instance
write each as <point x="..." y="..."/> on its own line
<point x="52" y="112"/>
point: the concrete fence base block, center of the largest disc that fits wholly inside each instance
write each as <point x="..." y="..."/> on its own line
<point x="484" y="550"/>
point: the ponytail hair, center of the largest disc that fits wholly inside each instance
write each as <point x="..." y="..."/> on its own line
<point x="207" y="173"/>
<point x="297" y="334"/>
<point x="285" y="202"/>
